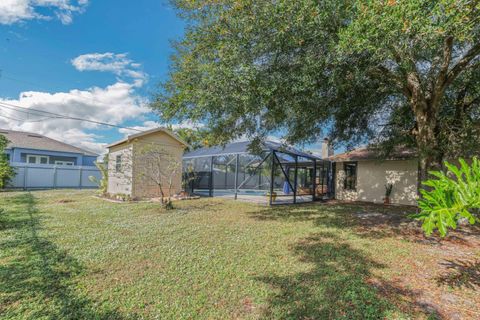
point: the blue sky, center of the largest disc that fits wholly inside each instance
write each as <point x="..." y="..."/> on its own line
<point x="94" y="59"/>
<point x="39" y="50"/>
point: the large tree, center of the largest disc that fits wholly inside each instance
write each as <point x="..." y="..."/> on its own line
<point x="390" y="72"/>
<point x="195" y="138"/>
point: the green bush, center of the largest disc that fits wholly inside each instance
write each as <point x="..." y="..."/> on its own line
<point x="451" y="196"/>
<point x="6" y="171"/>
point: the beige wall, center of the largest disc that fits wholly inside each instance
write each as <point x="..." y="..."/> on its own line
<point x="120" y="182"/>
<point x="141" y="185"/>
<point x="372" y="176"/>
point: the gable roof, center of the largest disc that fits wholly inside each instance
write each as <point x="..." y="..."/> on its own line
<point x="372" y="153"/>
<point x="243" y="147"/>
<point x="144" y="133"/>
<point x="28" y="140"/>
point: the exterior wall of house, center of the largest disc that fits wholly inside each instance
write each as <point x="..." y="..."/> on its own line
<point x="120" y="182"/>
<point x="20" y="155"/>
<point x="144" y="186"/>
<point x="373" y="175"/>
<point x="89" y="160"/>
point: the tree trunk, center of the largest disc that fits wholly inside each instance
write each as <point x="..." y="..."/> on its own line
<point x="429" y="156"/>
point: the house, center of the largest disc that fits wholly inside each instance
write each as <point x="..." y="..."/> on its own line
<point x="43" y="163"/>
<point x="33" y="148"/>
<point x="362" y="175"/>
<point x="138" y="162"/>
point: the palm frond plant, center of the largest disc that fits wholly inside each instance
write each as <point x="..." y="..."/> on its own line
<point x="103" y="182"/>
<point x="453" y="195"/>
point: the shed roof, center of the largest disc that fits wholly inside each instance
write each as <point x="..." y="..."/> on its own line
<point x="28" y="140"/>
<point x="147" y="132"/>
<point x="243" y="147"/>
<point x="373" y="153"/>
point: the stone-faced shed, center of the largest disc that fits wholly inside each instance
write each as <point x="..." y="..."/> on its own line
<point x="138" y="162"/>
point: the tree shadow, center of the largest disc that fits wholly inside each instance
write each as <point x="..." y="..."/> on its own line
<point x="368" y="220"/>
<point x="38" y="279"/>
<point x="461" y="273"/>
<point x="338" y="285"/>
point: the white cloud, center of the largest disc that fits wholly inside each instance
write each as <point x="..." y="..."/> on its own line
<point x="113" y="104"/>
<point x="147" y="125"/>
<point x="116" y="63"/>
<point x="13" y="11"/>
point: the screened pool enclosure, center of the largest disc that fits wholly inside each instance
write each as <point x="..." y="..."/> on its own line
<point x="276" y="174"/>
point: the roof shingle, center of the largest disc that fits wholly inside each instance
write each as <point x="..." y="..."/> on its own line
<point x="28" y="140"/>
<point x="372" y="153"/>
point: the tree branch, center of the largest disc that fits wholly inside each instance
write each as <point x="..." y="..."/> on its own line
<point x="439" y="87"/>
<point x="397" y="79"/>
<point x="462" y="64"/>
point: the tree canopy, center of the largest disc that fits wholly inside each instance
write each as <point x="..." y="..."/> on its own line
<point x="196" y="138"/>
<point x="393" y="72"/>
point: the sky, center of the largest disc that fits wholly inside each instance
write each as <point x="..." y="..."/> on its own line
<point x="95" y="59"/>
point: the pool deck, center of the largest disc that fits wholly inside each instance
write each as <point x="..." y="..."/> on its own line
<point x="259" y="199"/>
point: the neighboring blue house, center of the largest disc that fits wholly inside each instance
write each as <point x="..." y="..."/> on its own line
<point x="33" y="148"/>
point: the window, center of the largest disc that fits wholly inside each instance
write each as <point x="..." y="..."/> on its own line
<point x="350" y="169"/>
<point x="118" y="164"/>
<point x="64" y="163"/>
<point x="35" y="159"/>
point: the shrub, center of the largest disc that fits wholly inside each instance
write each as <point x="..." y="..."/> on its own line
<point x="6" y="171"/>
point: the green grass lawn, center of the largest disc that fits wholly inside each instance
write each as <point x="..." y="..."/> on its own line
<point x="68" y="255"/>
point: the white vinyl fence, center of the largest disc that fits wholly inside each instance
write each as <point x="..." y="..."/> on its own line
<point x="47" y="176"/>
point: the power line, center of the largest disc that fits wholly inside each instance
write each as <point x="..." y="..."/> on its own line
<point x="1" y="115"/>
<point x="56" y="115"/>
<point x="28" y="113"/>
<point x="60" y="116"/>
<point x="2" y="76"/>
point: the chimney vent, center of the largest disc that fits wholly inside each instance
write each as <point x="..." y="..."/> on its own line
<point x="327" y="149"/>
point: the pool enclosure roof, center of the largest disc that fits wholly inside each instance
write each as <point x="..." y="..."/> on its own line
<point x="242" y="147"/>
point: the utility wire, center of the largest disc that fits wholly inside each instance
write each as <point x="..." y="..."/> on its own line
<point x="28" y="113"/>
<point x="56" y="115"/>
<point x="65" y="117"/>
<point x="2" y="76"/>
<point x="7" y="117"/>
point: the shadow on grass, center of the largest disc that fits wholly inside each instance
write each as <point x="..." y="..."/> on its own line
<point x="367" y="220"/>
<point x="338" y="282"/>
<point x="461" y="273"/>
<point x="37" y="279"/>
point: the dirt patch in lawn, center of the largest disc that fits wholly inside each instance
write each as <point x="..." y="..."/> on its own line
<point x="442" y="276"/>
<point x="65" y="201"/>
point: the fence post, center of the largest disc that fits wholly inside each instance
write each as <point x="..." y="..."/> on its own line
<point x="25" y="170"/>
<point x="55" y="177"/>
<point x="80" y="183"/>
